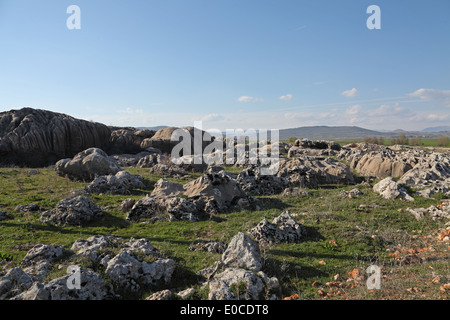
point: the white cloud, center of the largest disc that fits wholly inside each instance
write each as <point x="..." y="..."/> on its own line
<point x="350" y="93"/>
<point x="287" y="97"/>
<point x="248" y="99"/>
<point x="436" y="117"/>
<point x="212" y="117"/>
<point x="431" y="94"/>
<point x="353" y="110"/>
<point x="390" y="110"/>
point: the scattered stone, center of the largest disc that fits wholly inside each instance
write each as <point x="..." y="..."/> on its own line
<point x="41" y="252"/>
<point x="130" y="274"/>
<point x="87" y="165"/>
<point x="94" y="247"/>
<point x="13" y="282"/>
<point x="209" y="246"/>
<point x="242" y="252"/>
<point x="72" y="211"/>
<point x="27" y="208"/>
<point x="295" y="192"/>
<point x="240" y="284"/>
<point x="121" y="183"/>
<point x="161" y="295"/>
<point x="4" y="215"/>
<point x="186" y="294"/>
<point x="354" y="193"/>
<point x="92" y="287"/>
<point x="166" y="188"/>
<point x="127" y="204"/>
<point x="389" y="189"/>
<point x="282" y="229"/>
<point x="255" y="184"/>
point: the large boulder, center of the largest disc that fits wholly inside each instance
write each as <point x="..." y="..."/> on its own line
<point x="38" y="138"/>
<point x="128" y="140"/>
<point x="163" y="141"/>
<point x="171" y="208"/>
<point x="121" y="183"/>
<point x="236" y="284"/>
<point x="381" y="165"/>
<point x="13" y="282"/>
<point x="87" y="165"/>
<point x="429" y="176"/>
<point x="72" y="211"/>
<point x="92" y="287"/>
<point x="254" y="183"/>
<point x="129" y="273"/>
<point x="242" y="252"/>
<point x="310" y="172"/>
<point x="283" y="228"/>
<point x="389" y="189"/>
<point x="218" y="187"/>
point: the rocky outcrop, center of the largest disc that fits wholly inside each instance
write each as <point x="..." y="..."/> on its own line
<point x="87" y="165"/>
<point x="162" y="140"/>
<point x="93" y="287"/>
<point x="255" y="184"/>
<point x="242" y="252"/>
<point x="128" y="140"/>
<point x="283" y="228"/>
<point x="38" y="138"/>
<point x="310" y="172"/>
<point x="117" y="267"/>
<point x="219" y="188"/>
<point x="121" y="183"/>
<point x="430" y="176"/>
<point x="389" y="189"/>
<point x="72" y="211"/>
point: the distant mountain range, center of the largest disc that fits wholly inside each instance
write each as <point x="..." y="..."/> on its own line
<point x="349" y="132"/>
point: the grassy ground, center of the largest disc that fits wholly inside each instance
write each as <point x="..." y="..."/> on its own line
<point x="344" y="238"/>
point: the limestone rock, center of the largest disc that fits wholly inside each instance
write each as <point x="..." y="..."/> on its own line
<point x="72" y="211"/>
<point x="121" y="183"/>
<point x="87" y="165"/>
<point x="283" y="228"/>
<point x="389" y="189"/>
<point x="38" y="138"/>
<point x="242" y="252"/>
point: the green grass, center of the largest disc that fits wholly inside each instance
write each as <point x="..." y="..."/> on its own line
<point x="339" y="232"/>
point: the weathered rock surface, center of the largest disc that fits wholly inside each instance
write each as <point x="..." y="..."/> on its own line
<point x="87" y="165"/>
<point x="121" y="183"/>
<point x="13" y="282"/>
<point x="93" y="287"/>
<point x="38" y="138"/>
<point x="42" y="252"/>
<point x="283" y="228"/>
<point x="389" y="189"/>
<point x="128" y="140"/>
<point x="220" y="188"/>
<point x="72" y="211"/>
<point x="130" y="274"/>
<point x="254" y="183"/>
<point x="241" y="284"/>
<point x="242" y="252"/>
<point x="309" y="172"/>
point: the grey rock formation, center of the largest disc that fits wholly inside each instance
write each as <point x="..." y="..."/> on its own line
<point x="241" y="284"/>
<point x="87" y="165"/>
<point x="389" y="189"/>
<point x="283" y="228"/>
<point x="242" y="252"/>
<point x="92" y="287"/>
<point x="72" y="211"/>
<point x="38" y="138"/>
<point x="121" y="183"/>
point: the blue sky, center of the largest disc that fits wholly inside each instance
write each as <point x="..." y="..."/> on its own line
<point x="232" y="64"/>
